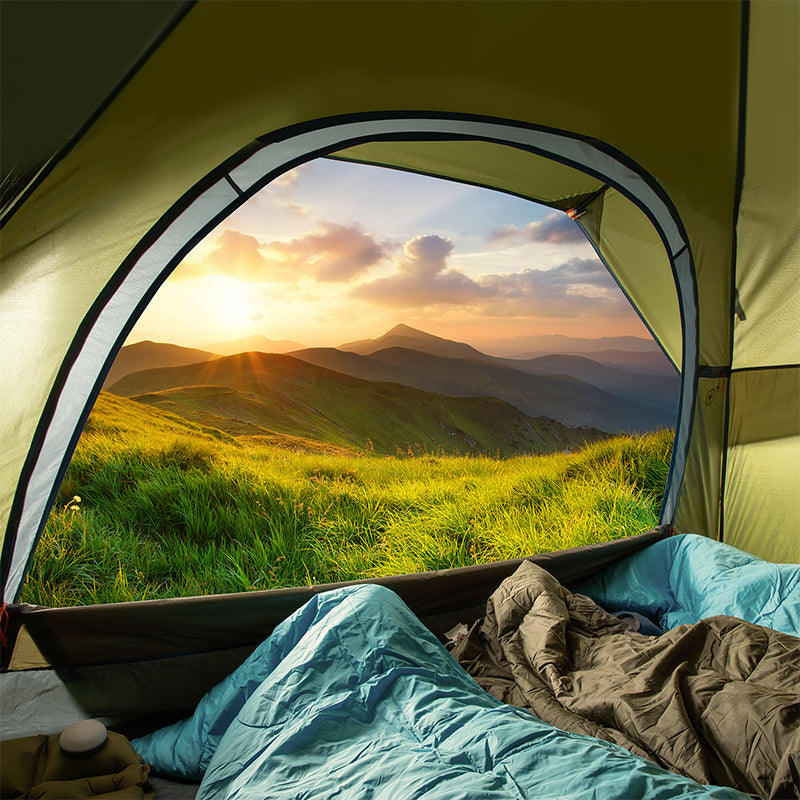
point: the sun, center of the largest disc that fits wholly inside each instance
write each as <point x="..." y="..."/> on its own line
<point x="234" y="310"/>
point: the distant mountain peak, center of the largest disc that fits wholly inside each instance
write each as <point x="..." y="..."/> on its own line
<point x="255" y="342"/>
<point x="401" y="329"/>
<point x="405" y="336"/>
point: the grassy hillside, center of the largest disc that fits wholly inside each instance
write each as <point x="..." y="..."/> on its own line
<point x="155" y="506"/>
<point x="256" y="393"/>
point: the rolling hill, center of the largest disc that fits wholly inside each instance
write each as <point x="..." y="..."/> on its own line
<point x="152" y="355"/>
<point x="262" y="394"/>
<point x="660" y="391"/>
<point x="254" y="395"/>
<point x="648" y="362"/>
<point x="624" y="373"/>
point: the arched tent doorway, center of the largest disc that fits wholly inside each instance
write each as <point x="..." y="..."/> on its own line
<point x="601" y="189"/>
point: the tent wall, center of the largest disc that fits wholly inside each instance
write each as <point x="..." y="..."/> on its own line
<point x="762" y="479"/>
<point x="50" y="83"/>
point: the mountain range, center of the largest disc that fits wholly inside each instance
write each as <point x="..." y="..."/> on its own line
<point x="658" y="390"/>
<point x="252" y="394"/>
<point x="437" y="392"/>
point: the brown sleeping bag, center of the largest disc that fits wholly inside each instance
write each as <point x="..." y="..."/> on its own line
<point x="717" y="701"/>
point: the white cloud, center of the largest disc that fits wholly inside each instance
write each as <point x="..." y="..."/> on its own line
<point x="332" y="253"/>
<point x="423" y="279"/>
<point x="555" y="228"/>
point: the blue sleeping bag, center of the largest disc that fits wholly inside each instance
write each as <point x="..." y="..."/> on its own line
<point x="352" y="697"/>
<point x="687" y="578"/>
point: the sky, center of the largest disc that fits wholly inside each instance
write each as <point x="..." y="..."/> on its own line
<point x="333" y="252"/>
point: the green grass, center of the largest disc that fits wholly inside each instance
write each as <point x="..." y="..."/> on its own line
<point x="168" y="508"/>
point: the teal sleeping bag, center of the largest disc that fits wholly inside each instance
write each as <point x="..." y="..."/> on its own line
<point x="686" y="578"/>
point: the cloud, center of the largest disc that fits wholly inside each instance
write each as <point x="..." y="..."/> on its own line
<point x="422" y="278"/>
<point x="281" y="189"/>
<point x="295" y="208"/>
<point x="290" y="178"/>
<point x="237" y="255"/>
<point x="333" y="253"/>
<point x="578" y="286"/>
<point x="556" y="228"/>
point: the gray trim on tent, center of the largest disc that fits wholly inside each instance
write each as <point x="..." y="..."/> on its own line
<point x="247" y="172"/>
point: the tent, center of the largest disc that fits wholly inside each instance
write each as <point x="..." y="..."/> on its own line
<point x="668" y="131"/>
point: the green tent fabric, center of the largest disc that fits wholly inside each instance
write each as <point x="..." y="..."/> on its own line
<point x="669" y="131"/>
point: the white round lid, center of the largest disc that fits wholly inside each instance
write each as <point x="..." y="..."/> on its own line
<point x="83" y="738"/>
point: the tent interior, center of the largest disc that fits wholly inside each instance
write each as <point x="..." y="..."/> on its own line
<point x="668" y="131"/>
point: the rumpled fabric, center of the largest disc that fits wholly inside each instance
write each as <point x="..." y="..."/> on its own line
<point x="717" y="701"/>
<point x="35" y="768"/>
<point x="352" y="697"/>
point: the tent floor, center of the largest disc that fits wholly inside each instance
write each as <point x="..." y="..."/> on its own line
<point x="171" y="789"/>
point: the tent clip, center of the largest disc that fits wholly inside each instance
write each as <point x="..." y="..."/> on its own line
<point x="737" y="306"/>
<point x="579" y="210"/>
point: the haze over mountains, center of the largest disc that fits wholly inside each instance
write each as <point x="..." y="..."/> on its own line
<point x="255" y="342"/>
<point x="404" y="388"/>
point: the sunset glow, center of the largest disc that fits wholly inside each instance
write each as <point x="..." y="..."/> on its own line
<point x="333" y="252"/>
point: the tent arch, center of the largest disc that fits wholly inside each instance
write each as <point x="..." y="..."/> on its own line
<point x="132" y="286"/>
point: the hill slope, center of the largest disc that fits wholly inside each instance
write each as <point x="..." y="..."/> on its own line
<point x="256" y="393"/>
<point x="624" y="374"/>
<point x="660" y="391"/>
<point x="152" y="355"/>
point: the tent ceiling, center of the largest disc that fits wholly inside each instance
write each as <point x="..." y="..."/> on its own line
<point x="52" y="51"/>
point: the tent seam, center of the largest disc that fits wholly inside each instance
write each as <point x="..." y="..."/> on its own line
<point x="734" y="294"/>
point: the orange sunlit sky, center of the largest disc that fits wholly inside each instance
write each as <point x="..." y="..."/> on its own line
<point x="333" y="252"/>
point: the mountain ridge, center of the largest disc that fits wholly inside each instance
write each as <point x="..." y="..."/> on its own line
<point x="148" y="354"/>
<point x="262" y="394"/>
<point x="413" y="339"/>
<point x="564" y="397"/>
